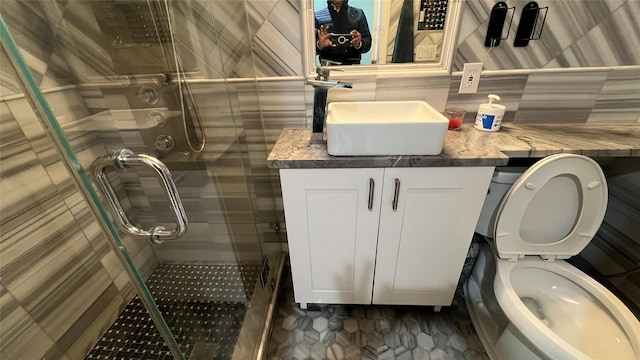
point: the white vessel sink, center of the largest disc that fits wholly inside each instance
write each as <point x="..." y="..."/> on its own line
<point x="384" y="128"/>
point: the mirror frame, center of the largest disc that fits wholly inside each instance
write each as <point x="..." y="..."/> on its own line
<point x="442" y="67"/>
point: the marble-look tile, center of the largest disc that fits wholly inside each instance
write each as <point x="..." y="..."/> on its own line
<point x="282" y="103"/>
<point x="234" y="40"/>
<point x="9" y="82"/>
<point x="15" y="150"/>
<point x="576" y="33"/>
<point x="26" y="118"/>
<point x="195" y="39"/>
<point x="278" y="42"/>
<point x="22" y="338"/>
<point x="619" y="99"/>
<point x="30" y="28"/>
<point x="395" y="7"/>
<point x="104" y="310"/>
<point x="433" y="90"/>
<point x="258" y="12"/>
<point x="80" y="43"/>
<point x="560" y="98"/>
<point x="405" y="340"/>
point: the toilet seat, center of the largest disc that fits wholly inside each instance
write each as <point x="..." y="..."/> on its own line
<point x="613" y="316"/>
<point x="534" y="218"/>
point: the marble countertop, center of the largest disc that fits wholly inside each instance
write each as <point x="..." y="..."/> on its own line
<point x="470" y="147"/>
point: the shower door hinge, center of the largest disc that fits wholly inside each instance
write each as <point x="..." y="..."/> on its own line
<point x="264" y="272"/>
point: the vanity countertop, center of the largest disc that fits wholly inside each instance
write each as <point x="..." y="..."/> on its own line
<point x="470" y="147"/>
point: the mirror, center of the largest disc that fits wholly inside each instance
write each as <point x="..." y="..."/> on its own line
<point x="426" y="42"/>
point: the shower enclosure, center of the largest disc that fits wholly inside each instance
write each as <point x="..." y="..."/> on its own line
<point x="152" y="136"/>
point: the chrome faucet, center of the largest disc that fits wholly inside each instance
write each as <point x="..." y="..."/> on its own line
<point x="321" y="85"/>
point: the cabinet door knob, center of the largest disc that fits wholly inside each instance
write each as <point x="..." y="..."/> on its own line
<point x="372" y="185"/>
<point x="396" y="195"/>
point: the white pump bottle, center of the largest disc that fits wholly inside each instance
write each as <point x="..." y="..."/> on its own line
<point x="490" y="115"/>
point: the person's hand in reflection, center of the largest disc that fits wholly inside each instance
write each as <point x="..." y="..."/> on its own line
<point x="356" y="40"/>
<point x="324" y="38"/>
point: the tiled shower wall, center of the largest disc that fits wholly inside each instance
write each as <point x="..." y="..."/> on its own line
<point x="61" y="284"/>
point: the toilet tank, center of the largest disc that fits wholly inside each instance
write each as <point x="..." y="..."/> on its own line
<point x="503" y="178"/>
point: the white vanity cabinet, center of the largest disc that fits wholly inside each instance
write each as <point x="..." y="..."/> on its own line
<point x="380" y="235"/>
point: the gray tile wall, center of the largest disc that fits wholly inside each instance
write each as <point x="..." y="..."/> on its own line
<point x="578" y="33"/>
<point x="62" y="285"/>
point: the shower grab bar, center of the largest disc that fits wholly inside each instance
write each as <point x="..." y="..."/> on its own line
<point x="122" y="160"/>
<point x="124" y="81"/>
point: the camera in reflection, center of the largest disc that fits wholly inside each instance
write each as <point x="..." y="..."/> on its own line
<point x="341" y="39"/>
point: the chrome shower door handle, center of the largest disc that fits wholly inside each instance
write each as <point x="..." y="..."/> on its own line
<point x="122" y="160"/>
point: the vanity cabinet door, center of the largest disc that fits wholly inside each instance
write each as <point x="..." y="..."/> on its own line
<point x="332" y="229"/>
<point x="426" y="226"/>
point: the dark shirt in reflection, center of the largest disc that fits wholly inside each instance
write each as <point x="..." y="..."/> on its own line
<point x="349" y="18"/>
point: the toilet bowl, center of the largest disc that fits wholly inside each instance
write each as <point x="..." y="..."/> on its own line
<point x="524" y="301"/>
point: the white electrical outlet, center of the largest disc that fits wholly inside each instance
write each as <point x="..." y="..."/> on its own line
<point x="470" y="78"/>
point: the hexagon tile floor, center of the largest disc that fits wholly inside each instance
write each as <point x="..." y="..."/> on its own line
<point x="372" y="332"/>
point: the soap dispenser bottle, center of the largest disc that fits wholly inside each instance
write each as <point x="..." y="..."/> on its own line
<point x="490" y="115"/>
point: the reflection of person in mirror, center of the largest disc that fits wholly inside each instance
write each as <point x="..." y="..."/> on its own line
<point x="342" y="33"/>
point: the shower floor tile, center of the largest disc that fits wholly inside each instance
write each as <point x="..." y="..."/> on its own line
<point x="371" y="332"/>
<point x="204" y="305"/>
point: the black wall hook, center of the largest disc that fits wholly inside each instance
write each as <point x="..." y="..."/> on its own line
<point x="496" y="23"/>
<point x="528" y="22"/>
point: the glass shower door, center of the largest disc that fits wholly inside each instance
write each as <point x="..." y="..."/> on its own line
<point x="197" y="288"/>
<point x="49" y="122"/>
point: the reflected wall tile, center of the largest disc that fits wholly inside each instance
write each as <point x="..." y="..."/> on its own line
<point x="559" y="97"/>
<point x="619" y="100"/>
<point x="32" y="32"/>
<point x="94" y="100"/>
<point x="234" y="41"/>
<point x="282" y="103"/>
<point x="24" y="115"/>
<point x="196" y="40"/>
<point x="395" y="8"/>
<point x="275" y="56"/>
<point x="82" y="45"/>
<point x="258" y="12"/>
<point x="9" y="84"/>
<point x="246" y="106"/>
<point x="15" y="150"/>
<point x="278" y="42"/>
<point x="214" y="104"/>
<point x="199" y="63"/>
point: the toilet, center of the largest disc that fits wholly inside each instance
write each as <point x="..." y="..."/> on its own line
<point x="524" y="300"/>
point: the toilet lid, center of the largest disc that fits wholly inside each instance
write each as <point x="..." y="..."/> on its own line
<point x="553" y="210"/>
